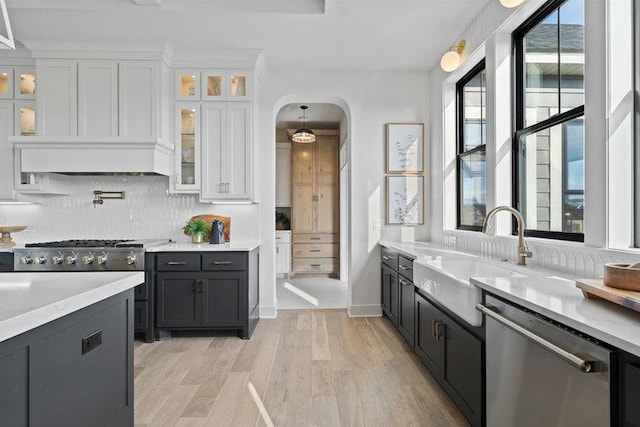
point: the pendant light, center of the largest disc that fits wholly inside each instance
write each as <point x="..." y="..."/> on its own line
<point x="303" y="135"/>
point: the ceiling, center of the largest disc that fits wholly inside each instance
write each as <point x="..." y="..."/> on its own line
<point x="319" y="116"/>
<point x="302" y="34"/>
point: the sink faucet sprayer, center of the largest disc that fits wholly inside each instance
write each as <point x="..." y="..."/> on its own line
<point x="523" y="252"/>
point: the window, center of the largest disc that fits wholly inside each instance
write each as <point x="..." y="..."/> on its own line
<point x="549" y="121"/>
<point x="472" y="137"/>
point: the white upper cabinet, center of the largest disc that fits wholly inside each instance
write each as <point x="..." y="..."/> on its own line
<point x="57" y="101"/>
<point x="138" y="104"/>
<point x="226" y="152"/>
<point x="97" y="98"/>
<point x="6" y="83"/>
<point x="187" y="153"/>
<point x="214" y="85"/>
<point x="6" y="150"/>
<point x="25" y="83"/>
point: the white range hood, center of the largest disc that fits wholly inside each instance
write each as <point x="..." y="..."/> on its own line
<point x="90" y="156"/>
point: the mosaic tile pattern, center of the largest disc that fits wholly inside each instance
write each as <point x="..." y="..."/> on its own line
<point x="148" y="211"/>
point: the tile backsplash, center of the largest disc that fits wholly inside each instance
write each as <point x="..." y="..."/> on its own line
<point x="573" y="259"/>
<point x="148" y="211"/>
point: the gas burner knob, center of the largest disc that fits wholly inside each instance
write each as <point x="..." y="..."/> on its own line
<point x="101" y="259"/>
<point x="87" y="260"/>
<point x="130" y="259"/>
<point x="71" y="259"/>
<point x="39" y="260"/>
<point x="26" y="260"/>
<point x="57" y="259"/>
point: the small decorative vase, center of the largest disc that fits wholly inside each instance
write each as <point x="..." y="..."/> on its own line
<point x="197" y="238"/>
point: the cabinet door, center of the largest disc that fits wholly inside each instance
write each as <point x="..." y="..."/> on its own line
<point x="187" y="85"/>
<point x="178" y="300"/>
<point x="25" y="83"/>
<point x="283" y="258"/>
<point x="223" y="299"/>
<point x="57" y="102"/>
<point x="462" y="369"/>
<point x="327" y="187"/>
<point x="6" y="83"/>
<point x="14" y="393"/>
<point x="138" y="99"/>
<point x="283" y="174"/>
<point x="6" y="150"/>
<point x="629" y="390"/>
<point x="302" y="202"/>
<point x="214" y="85"/>
<point x="213" y="141"/>
<point x="239" y="85"/>
<point x="97" y="98"/>
<point x="187" y="155"/>
<point x="238" y="151"/>
<point x="390" y="293"/>
<point x="407" y="309"/>
<point x="428" y="346"/>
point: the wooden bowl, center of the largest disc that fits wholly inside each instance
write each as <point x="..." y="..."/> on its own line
<point x="621" y="277"/>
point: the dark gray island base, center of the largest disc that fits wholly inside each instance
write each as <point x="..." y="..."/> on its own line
<point x="73" y="371"/>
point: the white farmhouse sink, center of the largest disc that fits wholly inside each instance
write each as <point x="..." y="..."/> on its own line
<point x="447" y="281"/>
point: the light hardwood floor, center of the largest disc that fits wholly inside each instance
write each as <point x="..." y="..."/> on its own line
<point x="309" y="368"/>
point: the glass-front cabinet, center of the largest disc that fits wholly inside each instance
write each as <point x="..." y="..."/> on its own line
<point x="6" y="83"/>
<point x="25" y="83"/>
<point x="188" y="147"/>
<point x="214" y="85"/>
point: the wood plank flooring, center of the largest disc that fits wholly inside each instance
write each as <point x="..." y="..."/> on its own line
<point x="308" y="368"/>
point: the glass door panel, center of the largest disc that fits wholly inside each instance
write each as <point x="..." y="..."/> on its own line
<point x="189" y="149"/>
<point x="25" y="83"/>
<point x="25" y="118"/>
<point x="6" y="84"/>
<point x="188" y="85"/>
<point x="213" y="89"/>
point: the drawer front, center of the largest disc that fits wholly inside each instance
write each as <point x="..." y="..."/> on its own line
<point x="317" y="250"/>
<point x="141" y="292"/>
<point x="316" y="238"/>
<point x="405" y="267"/>
<point x="389" y="257"/>
<point x="224" y="261"/>
<point x="178" y="261"/>
<point x="282" y="237"/>
<point x="319" y="265"/>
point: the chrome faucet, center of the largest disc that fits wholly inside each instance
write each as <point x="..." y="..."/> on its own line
<point x="523" y="252"/>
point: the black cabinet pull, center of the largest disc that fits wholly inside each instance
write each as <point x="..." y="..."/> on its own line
<point x="433" y="328"/>
<point x="314" y="250"/>
<point x="405" y="283"/>
<point x="386" y="257"/>
<point x="315" y="265"/>
<point x="440" y="330"/>
<point x="222" y="263"/>
<point x="402" y="267"/>
<point x="314" y="238"/>
<point x="177" y="263"/>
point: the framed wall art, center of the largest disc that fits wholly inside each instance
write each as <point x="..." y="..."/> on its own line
<point x="405" y="200"/>
<point x="405" y="148"/>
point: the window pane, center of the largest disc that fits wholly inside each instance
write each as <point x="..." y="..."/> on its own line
<point x="551" y="165"/>
<point x="474" y="120"/>
<point x="541" y="71"/>
<point x="571" y="54"/>
<point x="473" y="188"/>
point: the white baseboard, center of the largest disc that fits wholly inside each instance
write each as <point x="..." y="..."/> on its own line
<point x="369" y="310"/>
<point x="268" y="312"/>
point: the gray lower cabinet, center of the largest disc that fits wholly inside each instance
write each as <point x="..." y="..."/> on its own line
<point x="629" y="390"/>
<point x="390" y="285"/>
<point x="207" y="291"/>
<point x="397" y="299"/>
<point x="6" y="261"/>
<point x="143" y="310"/>
<point x="453" y="355"/>
<point x="73" y="371"/>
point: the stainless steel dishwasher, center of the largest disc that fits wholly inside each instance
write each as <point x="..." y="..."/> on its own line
<point x="541" y="374"/>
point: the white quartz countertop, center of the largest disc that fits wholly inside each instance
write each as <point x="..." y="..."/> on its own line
<point x="6" y="248"/>
<point x="419" y="250"/>
<point x="29" y="300"/>
<point x="560" y="300"/>
<point x="240" y="246"/>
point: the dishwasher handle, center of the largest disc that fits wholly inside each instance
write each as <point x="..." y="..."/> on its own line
<point x="570" y="358"/>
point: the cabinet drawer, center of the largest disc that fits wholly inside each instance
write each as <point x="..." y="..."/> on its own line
<point x="318" y="265"/>
<point x="178" y="261"/>
<point x="318" y="250"/>
<point x="405" y="267"/>
<point x="283" y="237"/>
<point x="315" y="238"/>
<point x="389" y="257"/>
<point x="230" y="261"/>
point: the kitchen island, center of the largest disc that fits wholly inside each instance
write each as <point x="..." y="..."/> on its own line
<point x="66" y="348"/>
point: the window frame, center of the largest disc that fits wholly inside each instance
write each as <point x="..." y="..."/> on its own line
<point x="519" y="111"/>
<point x="460" y="152"/>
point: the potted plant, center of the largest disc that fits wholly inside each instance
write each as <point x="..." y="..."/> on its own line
<point x="197" y="230"/>
<point x="282" y="221"/>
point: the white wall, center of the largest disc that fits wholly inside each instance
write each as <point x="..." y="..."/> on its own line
<point x="370" y="99"/>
